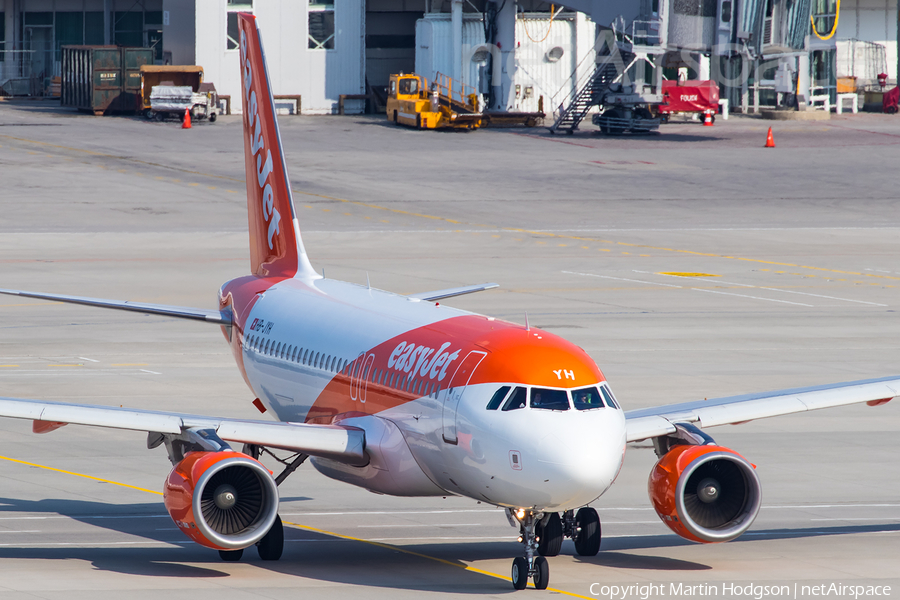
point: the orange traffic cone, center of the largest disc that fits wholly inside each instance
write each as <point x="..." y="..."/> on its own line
<point x="707" y="120"/>
<point x="186" y="124"/>
<point x="770" y="141"/>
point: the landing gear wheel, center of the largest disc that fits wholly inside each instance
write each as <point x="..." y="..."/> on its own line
<point x="551" y="536"/>
<point x="587" y="538"/>
<point x="231" y="555"/>
<point x="519" y="573"/>
<point x="271" y="546"/>
<point x="541" y="575"/>
<point x="212" y="117"/>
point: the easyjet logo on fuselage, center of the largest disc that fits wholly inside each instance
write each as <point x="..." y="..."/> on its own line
<point x="422" y="360"/>
<point x="257" y="147"/>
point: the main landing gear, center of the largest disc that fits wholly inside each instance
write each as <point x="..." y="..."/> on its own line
<point x="542" y="535"/>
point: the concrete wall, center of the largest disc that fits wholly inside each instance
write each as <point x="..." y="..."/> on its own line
<point x="179" y="32"/>
<point x="319" y="76"/>
<point x="873" y="21"/>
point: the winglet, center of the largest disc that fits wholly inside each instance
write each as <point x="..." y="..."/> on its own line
<point x="275" y="244"/>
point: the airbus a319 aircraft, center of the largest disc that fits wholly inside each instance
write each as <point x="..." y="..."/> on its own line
<point x="402" y="395"/>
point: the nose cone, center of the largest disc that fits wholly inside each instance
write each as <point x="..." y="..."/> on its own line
<point x="578" y="455"/>
<point x="545" y="459"/>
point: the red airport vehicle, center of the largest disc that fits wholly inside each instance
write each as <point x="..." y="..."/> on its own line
<point x="691" y="96"/>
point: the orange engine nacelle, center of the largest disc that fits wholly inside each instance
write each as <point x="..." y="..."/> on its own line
<point x="221" y="500"/>
<point x="705" y="493"/>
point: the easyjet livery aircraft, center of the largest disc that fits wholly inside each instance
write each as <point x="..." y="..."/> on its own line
<point x="403" y="396"/>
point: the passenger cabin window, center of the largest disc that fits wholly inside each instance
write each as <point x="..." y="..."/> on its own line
<point x="497" y="398"/>
<point x="587" y="398"/>
<point x="516" y="400"/>
<point x="547" y="399"/>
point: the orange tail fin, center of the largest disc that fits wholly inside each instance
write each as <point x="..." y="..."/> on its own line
<point x="275" y="245"/>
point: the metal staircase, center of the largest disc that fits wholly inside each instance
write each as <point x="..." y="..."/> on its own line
<point x="590" y="94"/>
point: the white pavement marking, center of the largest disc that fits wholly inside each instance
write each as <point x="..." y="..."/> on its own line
<point x="151" y="372"/>
<point x="760" y="287"/>
<point x="24" y="531"/>
<point x="753" y="297"/>
<point x="389" y="512"/>
<point x="685" y="288"/>
<point x="623" y="279"/>
<point x="87" y="359"/>
<point x="81" y="517"/>
<point x="386" y="526"/>
<point x="429" y="538"/>
<point x="860" y="519"/>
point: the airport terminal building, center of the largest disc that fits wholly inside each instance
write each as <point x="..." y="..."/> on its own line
<point x="320" y="50"/>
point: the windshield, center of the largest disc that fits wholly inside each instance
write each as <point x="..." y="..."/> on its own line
<point x="549" y="399"/>
<point x="409" y="86"/>
<point x="587" y="398"/>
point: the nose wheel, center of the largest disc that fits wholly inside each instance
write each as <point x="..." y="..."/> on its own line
<point x="531" y="565"/>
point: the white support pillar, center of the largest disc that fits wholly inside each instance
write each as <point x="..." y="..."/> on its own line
<point x="803" y="80"/>
<point x="703" y="71"/>
<point x="456" y="21"/>
<point x="504" y="93"/>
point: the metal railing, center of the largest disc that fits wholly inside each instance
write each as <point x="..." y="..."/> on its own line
<point x="564" y="95"/>
<point x="456" y="91"/>
<point x="645" y="36"/>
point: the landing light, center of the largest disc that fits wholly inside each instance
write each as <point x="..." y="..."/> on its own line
<point x="520" y="514"/>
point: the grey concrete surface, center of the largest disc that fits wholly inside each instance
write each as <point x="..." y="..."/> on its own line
<point x="798" y="244"/>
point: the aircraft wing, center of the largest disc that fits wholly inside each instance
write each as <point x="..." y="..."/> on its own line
<point x="657" y="421"/>
<point x="346" y="444"/>
<point x="451" y="292"/>
<point x="219" y="317"/>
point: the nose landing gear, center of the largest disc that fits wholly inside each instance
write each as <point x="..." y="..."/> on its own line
<point x="532" y="565"/>
<point x="542" y="535"/>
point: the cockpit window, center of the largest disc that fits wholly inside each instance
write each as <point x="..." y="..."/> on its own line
<point x="610" y="401"/>
<point x="549" y="399"/>
<point x="587" y="398"/>
<point x="497" y="398"/>
<point x="516" y="400"/>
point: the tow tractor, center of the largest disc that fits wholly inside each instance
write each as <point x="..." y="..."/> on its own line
<point x="446" y="103"/>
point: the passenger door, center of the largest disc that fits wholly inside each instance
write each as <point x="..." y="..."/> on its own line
<point x="454" y="392"/>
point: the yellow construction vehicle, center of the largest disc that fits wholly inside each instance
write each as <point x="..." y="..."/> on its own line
<point x="444" y="104"/>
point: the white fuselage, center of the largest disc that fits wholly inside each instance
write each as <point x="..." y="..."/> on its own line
<point x="311" y="352"/>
